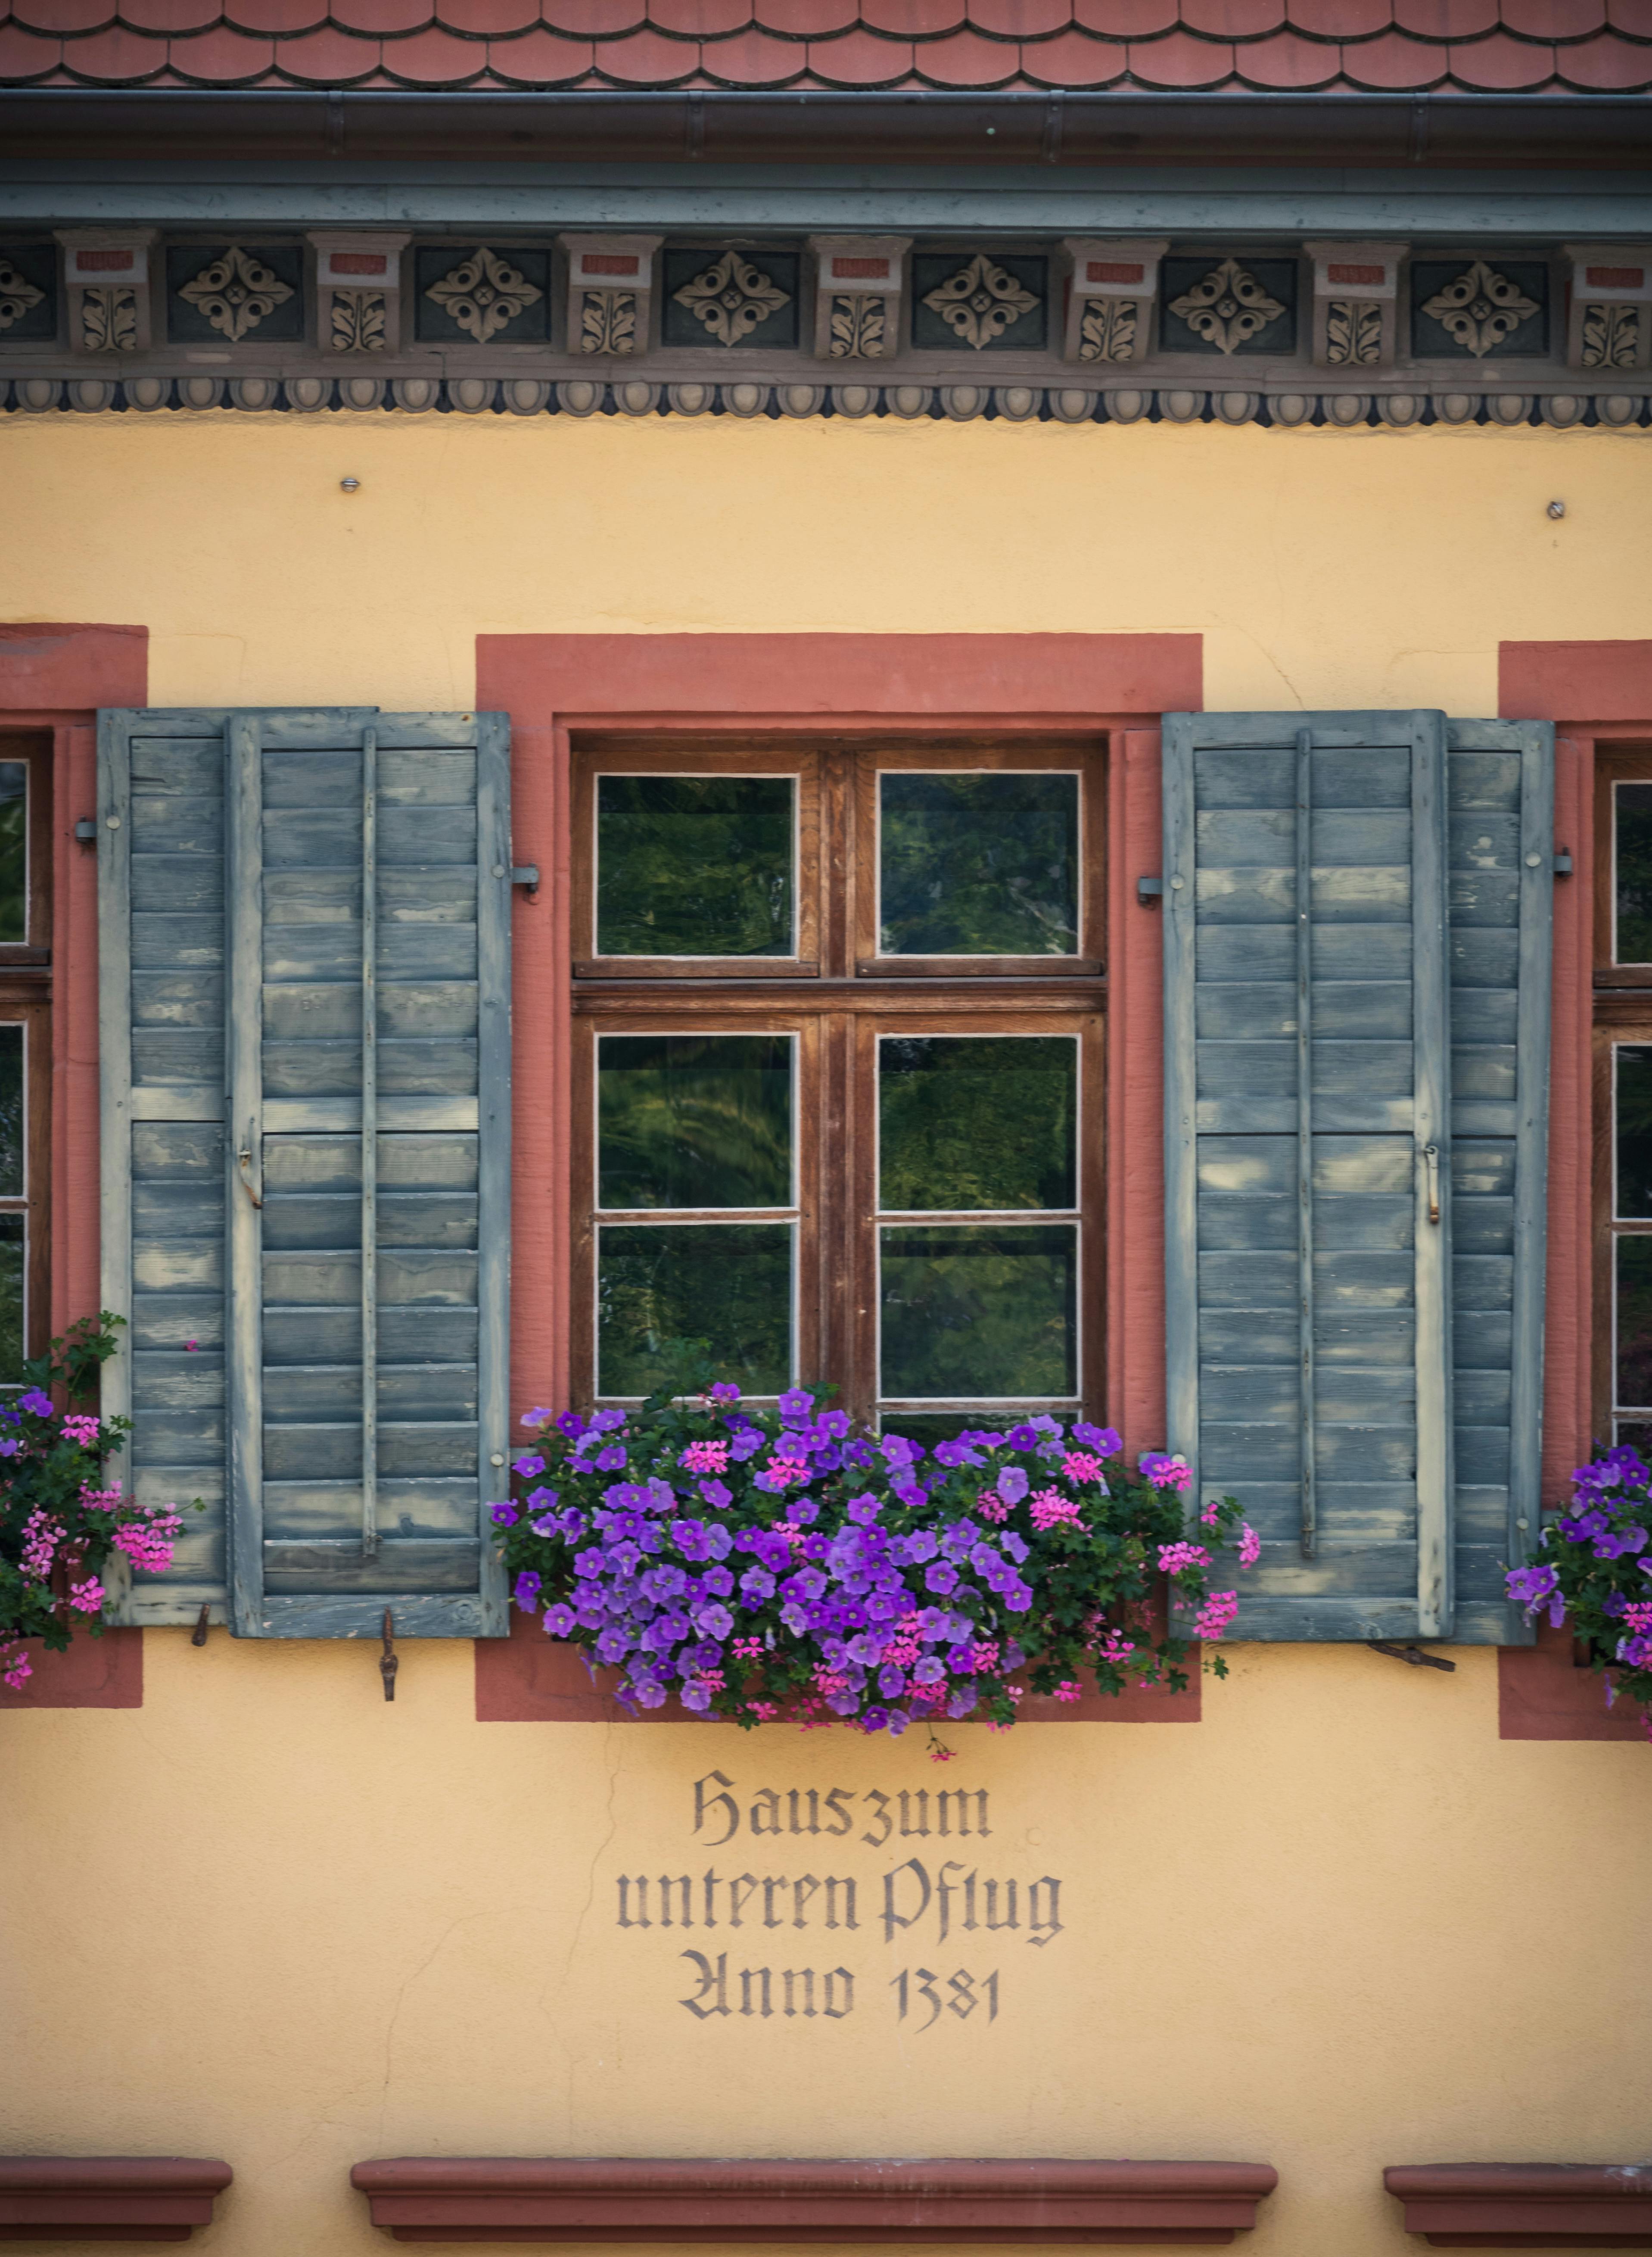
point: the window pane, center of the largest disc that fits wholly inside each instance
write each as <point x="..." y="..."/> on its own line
<point x="720" y="1289"/>
<point x="978" y="1121"/>
<point x="979" y="864"/>
<point x="979" y="1311"/>
<point x="1638" y="1437"/>
<point x="12" y="1343"/>
<point x="1635" y="1321"/>
<point x="14" y="850"/>
<point x="1632" y="1120"/>
<point x="13" y="1142"/>
<point x="694" y="1120"/>
<point x="695" y="865"/>
<point x="1634" y="872"/>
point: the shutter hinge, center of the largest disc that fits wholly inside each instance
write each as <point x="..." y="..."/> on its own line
<point x="526" y="874"/>
<point x="1149" y="890"/>
<point x="1414" y="1654"/>
<point x="389" y="1660"/>
<point x="85" y="831"/>
<point x="1563" y="864"/>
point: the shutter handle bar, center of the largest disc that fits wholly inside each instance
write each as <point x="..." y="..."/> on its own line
<point x="244" y="1161"/>
<point x="1431" y="1162"/>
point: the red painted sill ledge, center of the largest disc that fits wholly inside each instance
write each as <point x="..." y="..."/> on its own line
<point x="1526" y="2205"/>
<point x="107" y="2197"/>
<point x="486" y="2198"/>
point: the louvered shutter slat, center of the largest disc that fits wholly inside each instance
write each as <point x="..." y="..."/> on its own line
<point x="1306" y="1073"/>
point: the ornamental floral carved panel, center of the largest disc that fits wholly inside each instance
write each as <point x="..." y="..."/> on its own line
<point x="859" y="327"/>
<point x="19" y="297"/>
<point x="1230" y="306"/>
<point x="109" y="319"/>
<point x="357" y="321"/>
<point x="1353" y="334"/>
<point x="1478" y="310"/>
<point x="1611" y="337"/>
<point x="980" y="303"/>
<point x="732" y="300"/>
<point x="236" y="291"/>
<point x="483" y="295"/>
<point x="1108" y="329"/>
<point x="608" y="321"/>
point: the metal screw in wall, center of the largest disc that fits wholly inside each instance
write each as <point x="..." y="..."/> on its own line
<point x="1556" y="509"/>
<point x="352" y="485"/>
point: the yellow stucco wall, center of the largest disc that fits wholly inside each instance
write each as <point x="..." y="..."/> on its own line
<point x="1337" y="1925"/>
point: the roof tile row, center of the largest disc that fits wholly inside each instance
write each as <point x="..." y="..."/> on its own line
<point x="1378" y="46"/>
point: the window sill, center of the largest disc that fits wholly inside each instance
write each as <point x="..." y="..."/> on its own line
<point x="107" y="2197"/>
<point x="487" y="2198"/>
<point x="1526" y="2205"/>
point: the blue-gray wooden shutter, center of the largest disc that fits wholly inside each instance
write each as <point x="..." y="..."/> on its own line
<point x="362" y="1102"/>
<point x="1500" y="857"/>
<point x="1308" y="1194"/>
<point x="160" y="805"/>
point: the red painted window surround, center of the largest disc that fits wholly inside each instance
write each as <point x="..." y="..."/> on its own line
<point x="1596" y="693"/>
<point x="56" y="677"/>
<point x="553" y="686"/>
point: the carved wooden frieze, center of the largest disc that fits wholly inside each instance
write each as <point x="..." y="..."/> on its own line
<point x="1230" y="305"/>
<point x="731" y="298"/>
<point x="858" y="281"/>
<point x="483" y="294"/>
<point x="979" y="299"/>
<point x="1610" y="324"/>
<point x="1478" y="308"/>
<point x="228" y="294"/>
<point x="1112" y="285"/>
<point x="106" y="279"/>
<point x="358" y="291"/>
<point x="609" y="294"/>
<point x="1356" y="303"/>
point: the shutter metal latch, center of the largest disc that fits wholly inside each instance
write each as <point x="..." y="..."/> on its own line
<point x="389" y="1661"/>
<point x="1414" y="1654"/>
<point x="244" y="1161"/>
<point x="1431" y="1162"/>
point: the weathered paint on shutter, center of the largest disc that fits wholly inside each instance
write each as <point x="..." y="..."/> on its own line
<point x="354" y="1482"/>
<point x="160" y="951"/>
<point x="1309" y="1196"/>
<point x="383" y="912"/>
<point x="1501" y="855"/>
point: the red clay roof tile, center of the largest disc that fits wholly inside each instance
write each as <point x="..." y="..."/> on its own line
<point x="487" y="18"/>
<point x="1634" y="16"/>
<point x="1179" y="60"/>
<point x="918" y="19"/>
<point x="1606" y="65"/>
<point x="1553" y="19"/>
<point x="222" y="58"/>
<point x="115" y="56"/>
<point x="434" y="57"/>
<point x="806" y="20"/>
<point x="278" y="15"/>
<point x="753" y="58"/>
<point x="967" y="60"/>
<point x="593" y="19"/>
<point x="1502" y="65"/>
<point x="1445" y="19"/>
<point x="381" y="18"/>
<point x="26" y="54"/>
<point x="647" y="58"/>
<point x="1232" y="19"/>
<point x="1393" y="64"/>
<point x="1125" y="19"/>
<point x="539" y="58"/>
<point x="1287" y="63"/>
<point x="1020" y="19"/>
<point x="1074" y="58"/>
<point x="179" y="16"/>
<point x="66" y="17"/>
<point x="699" y="19"/>
<point x="328" y="58"/>
<point x="1339" y="19"/>
<point x="856" y="59"/>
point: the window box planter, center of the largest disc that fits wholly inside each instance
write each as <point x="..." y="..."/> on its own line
<point x="504" y="2199"/>
<point x="1526" y="2205"/>
<point x="107" y="2197"/>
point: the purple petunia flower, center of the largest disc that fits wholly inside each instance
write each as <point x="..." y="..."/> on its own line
<point x="559" y="1621"/>
<point x="503" y="1516"/>
<point x="527" y="1591"/>
<point x="943" y="1577"/>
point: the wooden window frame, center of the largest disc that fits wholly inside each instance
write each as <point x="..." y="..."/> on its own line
<point x="1622" y="1016"/>
<point x="837" y="1002"/>
<point x="25" y="999"/>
